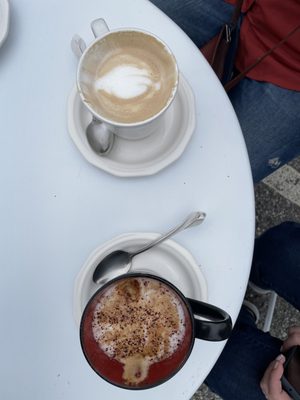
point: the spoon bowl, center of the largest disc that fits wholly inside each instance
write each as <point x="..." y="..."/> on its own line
<point x="100" y="138"/>
<point x="116" y="263"/>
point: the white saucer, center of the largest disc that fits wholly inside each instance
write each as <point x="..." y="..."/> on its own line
<point x="168" y="260"/>
<point x="130" y="158"/>
<point x="4" y="20"/>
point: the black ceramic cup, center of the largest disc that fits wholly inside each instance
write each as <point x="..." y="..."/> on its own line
<point x="138" y="360"/>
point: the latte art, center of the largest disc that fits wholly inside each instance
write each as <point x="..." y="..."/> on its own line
<point x="126" y="82"/>
<point x="128" y="77"/>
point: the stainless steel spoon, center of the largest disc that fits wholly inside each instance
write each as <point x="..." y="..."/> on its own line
<point x="100" y="138"/>
<point x="119" y="261"/>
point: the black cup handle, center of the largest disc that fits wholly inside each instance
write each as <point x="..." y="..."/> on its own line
<point x="219" y="325"/>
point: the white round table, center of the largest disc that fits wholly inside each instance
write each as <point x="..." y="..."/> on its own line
<point x="56" y="207"/>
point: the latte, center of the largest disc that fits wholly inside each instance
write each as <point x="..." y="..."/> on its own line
<point x="129" y="77"/>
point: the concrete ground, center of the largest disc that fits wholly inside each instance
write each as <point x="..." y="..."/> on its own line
<point x="277" y="200"/>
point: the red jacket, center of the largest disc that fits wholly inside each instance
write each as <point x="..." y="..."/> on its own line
<point x="267" y="22"/>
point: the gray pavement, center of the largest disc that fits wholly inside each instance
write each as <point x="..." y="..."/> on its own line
<point x="277" y="200"/>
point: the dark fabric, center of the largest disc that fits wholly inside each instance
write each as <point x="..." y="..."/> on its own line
<point x="267" y="22"/>
<point x="248" y="352"/>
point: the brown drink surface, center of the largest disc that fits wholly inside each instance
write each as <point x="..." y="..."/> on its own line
<point x="142" y="330"/>
<point x="134" y="76"/>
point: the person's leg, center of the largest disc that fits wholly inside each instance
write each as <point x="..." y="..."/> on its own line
<point x="270" y="122"/>
<point x="276" y="261"/>
<point x="200" y="19"/>
<point x="247" y="354"/>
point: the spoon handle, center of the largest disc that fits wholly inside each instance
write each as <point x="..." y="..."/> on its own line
<point x="195" y="218"/>
<point x="78" y="45"/>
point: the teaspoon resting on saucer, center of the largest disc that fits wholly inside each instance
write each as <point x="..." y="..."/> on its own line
<point x="120" y="261"/>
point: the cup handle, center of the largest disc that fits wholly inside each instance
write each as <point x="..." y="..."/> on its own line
<point x="99" y="27"/>
<point x="219" y="325"/>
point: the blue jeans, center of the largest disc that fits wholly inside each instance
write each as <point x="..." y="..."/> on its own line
<point x="248" y="352"/>
<point x="268" y="114"/>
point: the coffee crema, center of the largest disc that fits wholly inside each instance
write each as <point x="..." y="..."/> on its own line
<point x="129" y="77"/>
<point x="142" y="330"/>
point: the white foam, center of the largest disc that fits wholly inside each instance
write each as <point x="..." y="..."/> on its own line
<point x="178" y="336"/>
<point x="107" y="343"/>
<point x="126" y="82"/>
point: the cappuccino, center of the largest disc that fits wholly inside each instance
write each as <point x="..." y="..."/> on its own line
<point x="137" y="332"/>
<point x="129" y="77"/>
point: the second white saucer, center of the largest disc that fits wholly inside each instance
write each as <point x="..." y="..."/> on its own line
<point x="130" y="158"/>
<point x="169" y="260"/>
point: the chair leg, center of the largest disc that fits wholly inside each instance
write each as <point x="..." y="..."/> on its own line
<point x="258" y="289"/>
<point x="271" y="305"/>
<point x="270" y="311"/>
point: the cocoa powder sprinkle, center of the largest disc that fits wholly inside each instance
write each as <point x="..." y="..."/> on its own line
<point x="139" y="317"/>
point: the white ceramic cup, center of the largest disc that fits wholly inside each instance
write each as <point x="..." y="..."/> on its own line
<point x="132" y="130"/>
